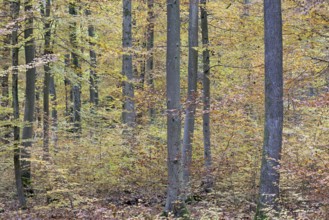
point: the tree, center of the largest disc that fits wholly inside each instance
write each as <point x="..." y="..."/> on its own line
<point x="270" y="177"/>
<point x="14" y="8"/>
<point x="76" y="88"/>
<point x="4" y="78"/>
<point x="29" y="92"/>
<point x="206" y="95"/>
<point x="149" y="48"/>
<point x="92" y="54"/>
<point x="128" y="113"/>
<point x="174" y="201"/>
<point x="191" y="91"/>
<point x="46" y="86"/>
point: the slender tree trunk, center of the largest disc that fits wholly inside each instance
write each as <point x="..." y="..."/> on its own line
<point x="46" y="87"/>
<point x="174" y="203"/>
<point x="76" y="91"/>
<point x="15" y="50"/>
<point x="29" y="94"/>
<point x="4" y="100"/>
<point x="93" y="75"/>
<point x="128" y="114"/>
<point x="68" y="93"/>
<point x="206" y="96"/>
<point x="54" y="116"/>
<point x="149" y="47"/>
<point x="191" y="92"/>
<point x="270" y="177"/>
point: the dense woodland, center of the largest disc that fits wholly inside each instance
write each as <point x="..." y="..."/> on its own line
<point x="162" y="109"/>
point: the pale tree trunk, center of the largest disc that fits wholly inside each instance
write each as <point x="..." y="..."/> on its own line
<point x="270" y="177"/>
<point x="149" y="47"/>
<point x="93" y="75"/>
<point x="128" y="113"/>
<point x="46" y="90"/>
<point x="191" y="93"/>
<point x="174" y="203"/>
<point x="14" y="8"/>
<point x="76" y="88"/>
<point x="29" y="94"/>
<point x="206" y="97"/>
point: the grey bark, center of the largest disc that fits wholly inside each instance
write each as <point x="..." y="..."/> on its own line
<point x="93" y="75"/>
<point x="46" y="86"/>
<point x="206" y="96"/>
<point x="29" y="94"/>
<point x="191" y="92"/>
<point x="128" y="113"/>
<point x="68" y="93"/>
<point x="14" y="8"/>
<point x="270" y="177"/>
<point x="76" y="88"/>
<point x="174" y="202"/>
<point x="149" y="47"/>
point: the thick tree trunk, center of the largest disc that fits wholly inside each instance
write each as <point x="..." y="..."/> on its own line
<point x="76" y="91"/>
<point x="15" y="50"/>
<point x="206" y="96"/>
<point x="29" y="94"/>
<point x="270" y="177"/>
<point x="128" y="114"/>
<point x="149" y="47"/>
<point x="191" y="92"/>
<point x="46" y="86"/>
<point x="93" y="75"/>
<point x="174" y="202"/>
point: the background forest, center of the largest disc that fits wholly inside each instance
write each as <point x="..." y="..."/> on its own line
<point x="98" y="144"/>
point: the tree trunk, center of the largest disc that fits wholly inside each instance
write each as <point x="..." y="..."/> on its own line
<point x="191" y="92"/>
<point x="46" y="90"/>
<point x="54" y="116"/>
<point x="149" y="47"/>
<point x="4" y="100"/>
<point x="68" y="93"/>
<point x="174" y="202"/>
<point x="206" y="96"/>
<point x="15" y="50"/>
<point x="93" y="75"/>
<point x="76" y="91"/>
<point x="29" y="94"/>
<point x="128" y="114"/>
<point x="270" y="177"/>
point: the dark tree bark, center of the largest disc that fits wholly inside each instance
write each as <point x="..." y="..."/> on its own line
<point x="29" y="94"/>
<point x="270" y="177"/>
<point x="149" y="47"/>
<point x="76" y="88"/>
<point x="128" y="114"/>
<point x="191" y="92"/>
<point x="93" y="75"/>
<point x="174" y="203"/>
<point x="15" y="54"/>
<point x="46" y="86"/>
<point x="4" y="100"/>
<point x="206" y="96"/>
<point x="68" y="93"/>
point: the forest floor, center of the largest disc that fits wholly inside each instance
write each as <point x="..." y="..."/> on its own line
<point x="129" y="205"/>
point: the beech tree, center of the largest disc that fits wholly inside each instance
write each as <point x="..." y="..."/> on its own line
<point x="270" y="176"/>
<point x="76" y="87"/>
<point x="14" y="8"/>
<point x="191" y="91"/>
<point x="175" y="202"/>
<point x="128" y="112"/>
<point x="206" y="95"/>
<point x="29" y="48"/>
